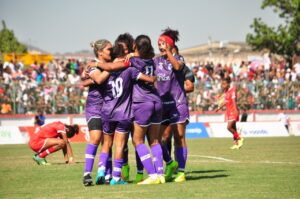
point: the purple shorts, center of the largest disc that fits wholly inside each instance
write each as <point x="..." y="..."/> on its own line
<point x="123" y="126"/>
<point x="175" y="113"/>
<point x="147" y="113"/>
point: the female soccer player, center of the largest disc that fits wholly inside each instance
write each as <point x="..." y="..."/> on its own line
<point x="189" y="80"/>
<point x="170" y="83"/>
<point x="117" y="117"/>
<point x="232" y="111"/>
<point x="147" y="112"/>
<point x="50" y="138"/>
<point x="94" y="102"/>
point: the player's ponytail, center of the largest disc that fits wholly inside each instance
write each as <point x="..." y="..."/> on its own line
<point x="174" y="34"/>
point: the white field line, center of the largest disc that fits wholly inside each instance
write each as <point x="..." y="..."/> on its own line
<point x="221" y="159"/>
<point x="214" y="158"/>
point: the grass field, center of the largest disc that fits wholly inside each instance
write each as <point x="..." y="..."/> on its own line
<point x="263" y="168"/>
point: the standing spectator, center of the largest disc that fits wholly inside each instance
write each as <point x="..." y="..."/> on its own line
<point x="284" y="119"/>
<point x="39" y="119"/>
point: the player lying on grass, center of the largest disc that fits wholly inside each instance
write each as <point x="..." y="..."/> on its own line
<point x="229" y="99"/>
<point x="50" y="138"/>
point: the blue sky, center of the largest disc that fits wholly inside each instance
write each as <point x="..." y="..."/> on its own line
<point x="70" y="25"/>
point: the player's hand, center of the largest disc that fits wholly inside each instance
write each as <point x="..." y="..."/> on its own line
<point x="86" y="73"/>
<point x="71" y="160"/>
<point x="91" y="64"/>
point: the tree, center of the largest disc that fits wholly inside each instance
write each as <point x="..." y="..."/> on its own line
<point x="283" y="40"/>
<point x="9" y="43"/>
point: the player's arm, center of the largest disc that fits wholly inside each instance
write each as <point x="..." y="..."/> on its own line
<point x="188" y="86"/>
<point x="234" y="103"/>
<point x="87" y="82"/>
<point x="189" y="79"/>
<point x="69" y="153"/>
<point x="177" y="64"/>
<point x="109" y="66"/>
<point x="99" y="76"/>
<point x="146" y="78"/>
<point x="220" y="107"/>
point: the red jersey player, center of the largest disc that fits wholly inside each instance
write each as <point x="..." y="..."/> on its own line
<point x="232" y="111"/>
<point x="50" y="138"/>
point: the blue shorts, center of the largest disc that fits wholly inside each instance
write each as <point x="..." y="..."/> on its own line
<point x="123" y="126"/>
<point x="147" y="113"/>
<point x="175" y="113"/>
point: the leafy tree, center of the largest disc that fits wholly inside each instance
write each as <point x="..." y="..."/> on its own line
<point x="283" y="40"/>
<point x="9" y="43"/>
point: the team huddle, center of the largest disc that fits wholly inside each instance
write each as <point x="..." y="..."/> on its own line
<point x="133" y="92"/>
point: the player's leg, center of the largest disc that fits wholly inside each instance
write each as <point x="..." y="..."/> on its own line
<point x="125" y="167"/>
<point x="50" y="145"/>
<point x="238" y="140"/>
<point x="180" y="150"/>
<point x="120" y="139"/>
<point x="166" y="131"/>
<point x="153" y="139"/>
<point x="95" y="131"/>
<point x="104" y="155"/>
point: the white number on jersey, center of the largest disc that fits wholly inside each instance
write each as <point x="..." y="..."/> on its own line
<point x="117" y="87"/>
<point x="149" y="70"/>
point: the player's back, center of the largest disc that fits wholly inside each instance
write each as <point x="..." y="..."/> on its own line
<point x="117" y="95"/>
<point x="51" y="130"/>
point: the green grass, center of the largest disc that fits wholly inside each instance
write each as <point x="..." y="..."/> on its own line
<point x="263" y="168"/>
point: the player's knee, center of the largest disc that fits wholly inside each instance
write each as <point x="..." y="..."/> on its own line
<point x="62" y="144"/>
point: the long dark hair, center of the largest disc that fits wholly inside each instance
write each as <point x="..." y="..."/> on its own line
<point x="72" y="130"/>
<point x="144" y="47"/>
<point x="127" y="39"/>
<point x="174" y="34"/>
<point x="117" y="51"/>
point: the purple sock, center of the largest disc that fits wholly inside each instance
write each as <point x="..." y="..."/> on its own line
<point x="125" y="154"/>
<point x="166" y="155"/>
<point x="90" y="153"/>
<point x="103" y="160"/>
<point x="139" y="164"/>
<point x="109" y="164"/>
<point x="158" y="159"/>
<point x="181" y="154"/>
<point x="145" y="157"/>
<point x="117" y="168"/>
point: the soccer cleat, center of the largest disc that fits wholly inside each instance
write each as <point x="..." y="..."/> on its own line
<point x="162" y="179"/>
<point x="100" y="179"/>
<point x="235" y="146"/>
<point x="119" y="182"/>
<point x="150" y="180"/>
<point x="180" y="177"/>
<point x="40" y="161"/>
<point x="87" y="180"/>
<point x="240" y="142"/>
<point x="171" y="168"/>
<point x="139" y="178"/>
<point x="125" y="172"/>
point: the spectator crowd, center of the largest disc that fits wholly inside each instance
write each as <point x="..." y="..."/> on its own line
<point x="55" y="87"/>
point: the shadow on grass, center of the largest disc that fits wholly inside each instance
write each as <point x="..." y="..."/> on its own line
<point x="206" y="177"/>
<point x="204" y="171"/>
<point x="62" y="163"/>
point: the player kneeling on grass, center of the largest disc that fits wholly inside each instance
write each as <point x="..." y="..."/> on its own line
<point x="229" y="99"/>
<point x="51" y="138"/>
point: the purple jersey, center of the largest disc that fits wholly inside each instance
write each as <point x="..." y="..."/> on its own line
<point x="94" y="101"/>
<point x="170" y="83"/>
<point x="117" y="95"/>
<point x="143" y="91"/>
